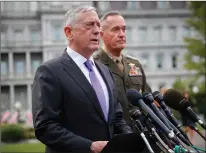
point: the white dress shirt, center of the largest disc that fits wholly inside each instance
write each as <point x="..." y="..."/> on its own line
<point x="80" y="60"/>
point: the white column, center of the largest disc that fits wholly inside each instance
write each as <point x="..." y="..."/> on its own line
<point x="26" y="36"/>
<point x="12" y="97"/>
<point x="28" y="64"/>
<point x="11" y="65"/>
<point x="29" y="97"/>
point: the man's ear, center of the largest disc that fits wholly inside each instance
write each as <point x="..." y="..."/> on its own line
<point x="68" y="33"/>
<point x="101" y="34"/>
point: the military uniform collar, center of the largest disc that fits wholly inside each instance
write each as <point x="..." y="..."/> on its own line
<point x="114" y="58"/>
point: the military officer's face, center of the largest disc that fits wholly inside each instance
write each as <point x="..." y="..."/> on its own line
<point x="113" y="33"/>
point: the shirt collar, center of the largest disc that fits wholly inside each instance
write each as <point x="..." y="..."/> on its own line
<point x="78" y="58"/>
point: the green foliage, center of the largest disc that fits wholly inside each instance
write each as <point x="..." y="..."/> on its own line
<point x="12" y="133"/>
<point x="16" y="132"/>
<point x="24" y="147"/>
<point x="195" y="57"/>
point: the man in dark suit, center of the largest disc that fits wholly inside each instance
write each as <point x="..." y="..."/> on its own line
<point x="74" y="100"/>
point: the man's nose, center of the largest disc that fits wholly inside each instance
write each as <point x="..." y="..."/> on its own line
<point x="122" y="33"/>
<point x="96" y="29"/>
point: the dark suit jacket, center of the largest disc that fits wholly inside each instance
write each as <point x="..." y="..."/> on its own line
<point x="66" y="113"/>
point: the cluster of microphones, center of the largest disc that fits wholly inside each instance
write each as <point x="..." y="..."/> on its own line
<point x="152" y="114"/>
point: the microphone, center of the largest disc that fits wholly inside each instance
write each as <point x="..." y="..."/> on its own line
<point x="148" y="98"/>
<point x="150" y="101"/>
<point x="159" y="98"/>
<point x="136" y="99"/>
<point x="177" y="101"/>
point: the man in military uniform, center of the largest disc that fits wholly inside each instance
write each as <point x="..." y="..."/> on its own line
<point x="127" y="71"/>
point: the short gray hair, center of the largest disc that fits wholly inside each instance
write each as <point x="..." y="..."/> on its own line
<point x="105" y="16"/>
<point x="71" y="15"/>
<point x="111" y="13"/>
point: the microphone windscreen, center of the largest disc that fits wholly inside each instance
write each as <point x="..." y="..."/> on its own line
<point x="175" y="99"/>
<point x="133" y="96"/>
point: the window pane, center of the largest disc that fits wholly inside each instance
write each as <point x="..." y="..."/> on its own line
<point x="162" y="4"/>
<point x="178" y="4"/>
<point x="148" y="4"/>
<point x="35" y="65"/>
<point x="133" y="5"/>
<point x="172" y="33"/>
<point x="142" y="33"/>
<point x="57" y="32"/>
<point x="3" y="67"/>
<point x="118" y="5"/>
<point x="174" y="61"/>
<point x="157" y="34"/>
<point x="35" y="36"/>
<point x="19" y="67"/>
<point x="186" y="31"/>
<point x="129" y="34"/>
<point x="145" y="60"/>
<point x="159" y="59"/>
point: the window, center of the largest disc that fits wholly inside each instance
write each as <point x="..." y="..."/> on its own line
<point x="145" y="60"/>
<point x="132" y="5"/>
<point x="35" y="65"/>
<point x="18" y="35"/>
<point x="3" y="67"/>
<point x="178" y="4"/>
<point x="3" y="38"/>
<point x="142" y="33"/>
<point x="57" y="32"/>
<point x="19" y="67"/>
<point x="186" y="31"/>
<point x="5" y="101"/>
<point x="129" y="34"/>
<point x="118" y="5"/>
<point x="172" y="33"/>
<point x="162" y="4"/>
<point x="35" y="36"/>
<point x="157" y="33"/>
<point x="159" y="59"/>
<point x="174" y="61"/>
<point x="148" y="4"/>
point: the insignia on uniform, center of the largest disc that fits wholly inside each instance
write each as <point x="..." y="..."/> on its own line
<point x="134" y="71"/>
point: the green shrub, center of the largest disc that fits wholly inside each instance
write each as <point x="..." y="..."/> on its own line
<point x="12" y="132"/>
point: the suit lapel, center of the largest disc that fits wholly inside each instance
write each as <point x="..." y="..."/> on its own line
<point x="110" y="92"/>
<point x="110" y="63"/>
<point x="73" y="70"/>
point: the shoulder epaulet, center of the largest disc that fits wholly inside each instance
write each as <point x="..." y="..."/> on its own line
<point x="131" y="57"/>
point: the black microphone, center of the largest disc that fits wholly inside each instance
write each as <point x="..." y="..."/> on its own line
<point x="174" y="99"/>
<point x="136" y="99"/>
<point x="148" y="98"/>
<point x="159" y="98"/>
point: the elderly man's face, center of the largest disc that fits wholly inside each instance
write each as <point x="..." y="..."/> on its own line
<point x="85" y="32"/>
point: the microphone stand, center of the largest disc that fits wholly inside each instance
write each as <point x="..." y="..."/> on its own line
<point x="197" y="130"/>
<point x="135" y="115"/>
<point x="165" y="146"/>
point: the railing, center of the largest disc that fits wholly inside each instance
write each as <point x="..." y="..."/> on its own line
<point x="10" y="43"/>
<point x="18" y="13"/>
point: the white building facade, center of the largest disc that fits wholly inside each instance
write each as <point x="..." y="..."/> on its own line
<point x="32" y="32"/>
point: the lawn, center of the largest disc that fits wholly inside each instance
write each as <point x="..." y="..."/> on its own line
<point x="25" y="147"/>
